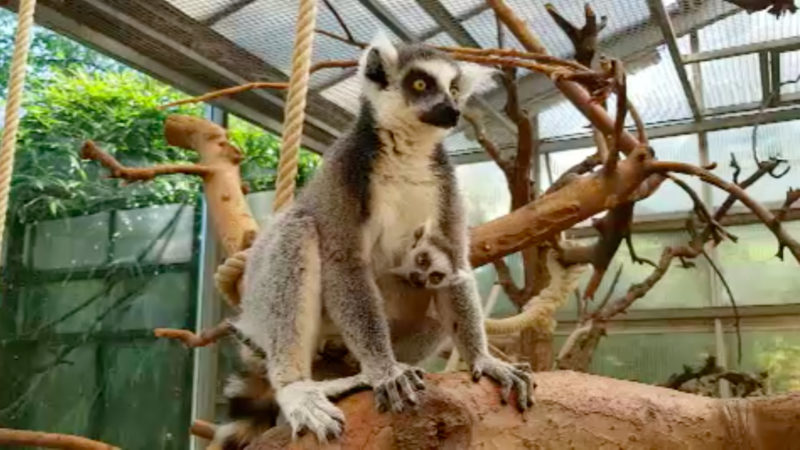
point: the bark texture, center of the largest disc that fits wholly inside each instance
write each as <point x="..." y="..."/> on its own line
<point x="573" y="410"/>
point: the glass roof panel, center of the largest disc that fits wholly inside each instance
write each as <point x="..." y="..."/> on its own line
<point x="743" y="28"/>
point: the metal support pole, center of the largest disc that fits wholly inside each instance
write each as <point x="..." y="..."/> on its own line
<point x="209" y="313"/>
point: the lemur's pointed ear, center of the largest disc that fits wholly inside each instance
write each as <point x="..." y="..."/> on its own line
<point x="476" y="78"/>
<point x="379" y="60"/>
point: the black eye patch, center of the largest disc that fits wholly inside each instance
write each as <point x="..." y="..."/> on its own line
<point x="435" y="278"/>
<point x="412" y="78"/>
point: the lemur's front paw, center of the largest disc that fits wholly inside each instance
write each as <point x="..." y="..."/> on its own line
<point x="516" y="376"/>
<point x="398" y="388"/>
<point x="307" y="408"/>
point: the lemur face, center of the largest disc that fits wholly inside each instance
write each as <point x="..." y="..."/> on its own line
<point x="429" y="261"/>
<point x="414" y="84"/>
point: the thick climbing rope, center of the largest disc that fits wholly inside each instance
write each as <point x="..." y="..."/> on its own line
<point x="538" y="312"/>
<point x="294" y="113"/>
<point x="16" y="86"/>
<point x="230" y="272"/>
<point x="227" y="277"/>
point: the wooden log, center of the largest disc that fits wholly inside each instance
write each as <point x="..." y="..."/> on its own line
<point x="573" y="410"/>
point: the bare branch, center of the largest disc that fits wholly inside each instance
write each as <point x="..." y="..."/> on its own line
<point x="487" y="144"/>
<point x="505" y="280"/>
<point x="347" y="40"/>
<point x="340" y="20"/>
<point x="193" y="340"/>
<point x="763" y="214"/>
<point x="634" y="257"/>
<point x="203" y="429"/>
<point x="792" y="196"/>
<point x="729" y="291"/>
<point x="91" y="151"/>
<point x="26" y="438"/>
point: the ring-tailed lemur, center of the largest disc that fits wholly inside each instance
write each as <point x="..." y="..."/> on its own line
<point x="429" y="263"/>
<point x="353" y="222"/>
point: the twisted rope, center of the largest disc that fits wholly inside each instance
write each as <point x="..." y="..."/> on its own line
<point x="538" y="312"/>
<point x="16" y="85"/>
<point x="228" y="274"/>
<point x="294" y="113"/>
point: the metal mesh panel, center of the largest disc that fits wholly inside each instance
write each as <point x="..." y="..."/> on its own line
<point x="219" y="41"/>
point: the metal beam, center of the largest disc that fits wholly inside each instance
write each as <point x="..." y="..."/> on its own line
<point x="654" y="132"/>
<point x="661" y="17"/>
<point x="449" y="23"/>
<point x="766" y="83"/>
<point x="347" y="73"/>
<point x="775" y="78"/>
<point x="165" y="42"/>
<point x="227" y="10"/>
<point x="388" y="20"/>
<point x="778" y="45"/>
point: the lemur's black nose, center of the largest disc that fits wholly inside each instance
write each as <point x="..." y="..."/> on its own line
<point x="443" y="114"/>
<point x="416" y="279"/>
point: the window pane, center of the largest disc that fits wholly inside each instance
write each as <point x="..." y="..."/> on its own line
<point x="774" y="140"/>
<point x="650" y="358"/>
<point x="669" y="198"/>
<point x="776" y="352"/>
<point x="485" y="192"/>
<point x="755" y="275"/>
<point x="679" y="288"/>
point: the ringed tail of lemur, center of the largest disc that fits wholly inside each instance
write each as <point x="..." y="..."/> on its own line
<point x="354" y="222"/>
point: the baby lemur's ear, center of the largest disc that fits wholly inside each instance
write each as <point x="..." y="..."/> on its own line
<point x="379" y="61"/>
<point x="475" y="78"/>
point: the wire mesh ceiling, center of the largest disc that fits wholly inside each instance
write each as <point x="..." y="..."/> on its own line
<point x="258" y="37"/>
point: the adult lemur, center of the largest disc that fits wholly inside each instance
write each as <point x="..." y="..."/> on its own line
<point x="324" y="258"/>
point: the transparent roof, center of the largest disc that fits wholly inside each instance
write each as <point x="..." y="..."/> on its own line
<point x="264" y="29"/>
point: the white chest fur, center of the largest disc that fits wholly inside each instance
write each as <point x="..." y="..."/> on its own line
<point x="404" y="194"/>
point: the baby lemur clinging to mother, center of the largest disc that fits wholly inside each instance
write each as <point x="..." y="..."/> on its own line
<point x="430" y="261"/>
<point x="327" y="257"/>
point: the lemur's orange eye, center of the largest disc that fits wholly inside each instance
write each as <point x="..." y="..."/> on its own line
<point x="454" y="91"/>
<point x="419" y="85"/>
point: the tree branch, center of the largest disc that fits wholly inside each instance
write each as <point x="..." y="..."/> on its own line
<point x="193" y="340"/>
<point x="487" y="144"/>
<point x="26" y="438"/>
<point x="763" y="214"/>
<point x="91" y="151"/>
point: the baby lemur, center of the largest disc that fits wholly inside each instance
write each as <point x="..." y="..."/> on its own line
<point x="428" y="263"/>
<point x="327" y="257"/>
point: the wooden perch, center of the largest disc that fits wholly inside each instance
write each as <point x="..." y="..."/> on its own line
<point x="91" y="151"/>
<point x="219" y="167"/>
<point x="543" y="218"/>
<point x="459" y="414"/>
<point x="26" y="438"/>
<point x="193" y="340"/>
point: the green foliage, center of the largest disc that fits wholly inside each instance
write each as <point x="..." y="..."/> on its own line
<point x="262" y="151"/>
<point x="49" y="54"/>
<point x="116" y="110"/>
<point x="75" y="94"/>
<point x="781" y="360"/>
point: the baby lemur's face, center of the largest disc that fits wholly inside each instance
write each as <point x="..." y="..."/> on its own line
<point x="414" y="84"/>
<point x="428" y="263"/>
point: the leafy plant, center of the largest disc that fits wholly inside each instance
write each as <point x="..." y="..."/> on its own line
<point x="75" y="94"/>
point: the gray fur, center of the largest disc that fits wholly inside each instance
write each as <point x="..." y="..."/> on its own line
<point x="340" y="237"/>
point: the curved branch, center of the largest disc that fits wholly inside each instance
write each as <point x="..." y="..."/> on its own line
<point x="91" y="151"/>
<point x="26" y="438"/>
<point x="193" y="340"/>
<point x="763" y="214"/>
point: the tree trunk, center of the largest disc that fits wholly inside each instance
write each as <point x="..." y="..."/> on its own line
<point x="573" y="410"/>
